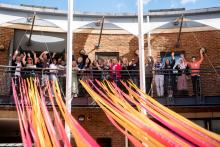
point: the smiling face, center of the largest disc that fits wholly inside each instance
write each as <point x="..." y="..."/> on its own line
<point x="167" y="61"/>
<point x="29" y="60"/>
<point x="125" y="61"/>
<point x="54" y="61"/>
<point x="18" y="58"/>
<point x="193" y="59"/>
<point x="87" y="60"/>
<point x="45" y="56"/>
<point x="114" y="61"/>
<point x="74" y="64"/>
<point x="79" y="60"/>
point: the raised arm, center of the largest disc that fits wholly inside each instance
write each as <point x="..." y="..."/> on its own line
<point x="41" y="55"/>
<point x="15" y="55"/>
<point x="173" y="59"/>
<point x="184" y="59"/>
<point x="24" y="59"/>
<point x="35" y="57"/>
<point x="201" y="56"/>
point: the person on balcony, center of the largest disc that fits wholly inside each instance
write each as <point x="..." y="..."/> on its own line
<point x="149" y="73"/>
<point x="169" y="77"/>
<point x="96" y="70"/>
<point x="195" y="72"/>
<point x="62" y="73"/>
<point x="75" y="84"/>
<point x="53" y="69"/>
<point x="115" y="70"/>
<point x="29" y="71"/>
<point x="45" y="64"/>
<point x="159" y="77"/>
<point x="181" y="66"/>
<point x="106" y="70"/>
<point x="125" y="75"/>
<point x="134" y="71"/>
<point x="87" y="74"/>
<point x="17" y="61"/>
<point x="83" y="55"/>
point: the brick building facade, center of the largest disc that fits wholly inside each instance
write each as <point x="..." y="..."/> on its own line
<point x="191" y="42"/>
<point x="95" y="121"/>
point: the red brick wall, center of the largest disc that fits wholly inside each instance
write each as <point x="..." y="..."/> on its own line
<point x="190" y="43"/>
<point x="124" y="44"/>
<point x="96" y="122"/>
<point x="5" y="37"/>
<point x="127" y="44"/>
<point x="98" y="125"/>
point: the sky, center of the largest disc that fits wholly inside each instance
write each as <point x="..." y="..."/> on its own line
<point x="116" y="6"/>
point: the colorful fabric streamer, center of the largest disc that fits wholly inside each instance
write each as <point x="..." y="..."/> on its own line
<point x="35" y="121"/>
<point x="126" y="112"/>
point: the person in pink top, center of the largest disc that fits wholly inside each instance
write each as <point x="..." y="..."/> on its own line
<point x="195" y="72"/>
<point x="115" y="70"/>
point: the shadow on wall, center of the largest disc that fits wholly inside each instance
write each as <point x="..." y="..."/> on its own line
<point x="133" y="46"/>
<point x="79" y="41"/>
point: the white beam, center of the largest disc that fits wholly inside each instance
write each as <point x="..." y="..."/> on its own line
<point x="141" y="46"/>
<point x="69" y="62"/>
<point x="148" y="38"/>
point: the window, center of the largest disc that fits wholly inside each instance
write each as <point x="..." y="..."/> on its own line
<point x="201" y="123"/>
<point x="106" y="55"/>
<point x="104" y="142"/>
<point x="215" y="126"/>
<point x="165" y="55"/>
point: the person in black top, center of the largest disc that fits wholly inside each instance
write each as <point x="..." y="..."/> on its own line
<point x="29" y="65"/>
<point x="96" y="70"/>
<point x="17" y="61"/>
<point x="105" y="70"/>
<point x="169" y="77"/>
<point x="83" y="55"/>
<point x="149" y="73"/>
<point x="134" y="71"/>
<point x="125" y="75"/>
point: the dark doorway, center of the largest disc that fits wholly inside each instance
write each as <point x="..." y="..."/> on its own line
<point x="104" y="142"/>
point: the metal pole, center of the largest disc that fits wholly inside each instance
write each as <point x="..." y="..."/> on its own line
<point x="69" y="62"/>
<point x="126" y="141"/>
<point x="141" y="46"/>
<point x="148" y="38"/>
<point x="100" y="35"/>
<point x="31" y="31"/>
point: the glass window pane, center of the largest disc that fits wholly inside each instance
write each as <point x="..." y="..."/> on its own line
<point x="215" y="125"/>
<point x="200" y="123"/>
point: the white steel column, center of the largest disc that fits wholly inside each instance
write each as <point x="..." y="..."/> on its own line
<point x="126" y="141"/>
<point x="148" y="38"/>
<point x="141" y="45"/>
<point x="69" y="62"/>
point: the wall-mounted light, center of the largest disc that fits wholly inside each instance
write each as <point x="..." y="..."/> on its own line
<point x="81" y="118"/>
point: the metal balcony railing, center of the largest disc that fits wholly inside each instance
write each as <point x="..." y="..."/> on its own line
<point x="207" y="94"/>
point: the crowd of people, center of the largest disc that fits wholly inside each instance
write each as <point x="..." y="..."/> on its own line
<point x="173" y="74"/>
<point x="169" y="76"/>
